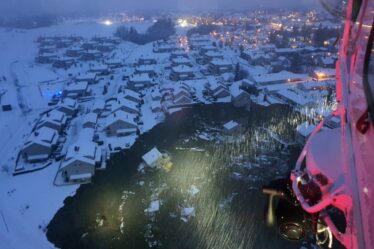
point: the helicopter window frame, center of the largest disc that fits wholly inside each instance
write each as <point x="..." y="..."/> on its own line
<point x="356" y="6"/>
<point x="368" y="63"/>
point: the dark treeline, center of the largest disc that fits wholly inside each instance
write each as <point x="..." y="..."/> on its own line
<point x="160" y="30"/>
<point x="29" y="22"/>
<point x="202" y="30"/>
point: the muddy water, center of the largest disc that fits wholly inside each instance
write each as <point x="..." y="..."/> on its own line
<point x="216" y="179"/>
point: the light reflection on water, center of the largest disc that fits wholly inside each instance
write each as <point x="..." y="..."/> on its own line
<point x="225" y="176"/>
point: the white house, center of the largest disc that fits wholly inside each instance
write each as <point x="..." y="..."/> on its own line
<point x="156" y="106"/>
<point x="125" y="106"/>
<point x="98" y="106"/>
<point x="131" y="96"/>
<point x="231" y="127"/>
<point x="90" y="120"/>
<point x="77" y="89"/>
<point x="139" y="81"/>
<point x="89" y="77"/>
<point x="219" y="66"/>
<point x="54" y="119"/>
<point x="303" y="131"/>
<point x="239" y="97"/>
<point x="182" y="72"/>
<point x="120" y="123"/>
<point x="80" y="162"/>
<point x="68" y="106"/>
<point x="152" y="157"/>
<point x="40" y="145"/>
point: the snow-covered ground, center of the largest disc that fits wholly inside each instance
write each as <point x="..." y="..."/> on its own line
<point x="28" y="202"/>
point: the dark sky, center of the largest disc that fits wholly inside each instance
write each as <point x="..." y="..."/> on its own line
<point x="30" y="7"/>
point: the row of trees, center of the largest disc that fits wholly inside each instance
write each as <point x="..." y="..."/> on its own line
<point x="29" y="22"/>
<point x="160" y="30"/>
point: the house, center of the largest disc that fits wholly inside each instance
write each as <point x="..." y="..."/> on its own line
<point x="279" y="78"/>
<point x="182" y="73"/>
<point x="217" y="89"/>
<point x="324" y="74"/>
<point x="231" y="127"/>
<point x="47" y="49"/>
<point x="90" y="55"/>
<point x="98" y="106"/>
<point x="100" y="69"/>
<point x="76" y="89"/>
<point x="208" y="48"/>
<point x="46" y="58"/>
<point x="303" y="132"/>
<point x="68" y="106"/>
<point x="146" y="69"/>
<point x="89" y="77"/>
<point x="113" y="63"/>
<point x="178" y="54"/>
<point x="106" y="47"/>
<point x="120" y="123"/>
<point x="146" y="60"/>
<point x="181" y="61"/>
<point x="182" y="100"/>
<point x="131" y="96"/>
<point x="54" y="119"/>
<point x="219" y="66"/>
<point x="240" y="98"/>
<point x="212" y="55"/>
<point x="125" y="106"/>
<point x="152" y="157"/>
<point x="63" y="62"/>
<point x="139" y="81"/>
<point x="90" y="120"/>
<point x="293" y="98"/>
<point x="179" y="92"/>
<point x="156" y="96"/>
<point x="74" y="52"/>
<point x="40" y="145"/>
<point x="156" y="106"/>
<point x="81" y="160"/>
<point x="90" y="45"/>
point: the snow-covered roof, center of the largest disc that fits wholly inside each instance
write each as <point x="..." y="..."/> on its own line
<point x="86" y="76"/>
<point x="305" y="129"/>
<point x="181" y="60"/>
<point x="154" y="206"/>
<point x="124" y="104"/>
<point x="120" y="116"/>
<point x="69" y="103"/>
<point x="99" y="104"/>
<point x="77" y="86"/>
<point x="213" y="54"/>
<point x="183" y="69"/>
<point x="281" y="76"/>
<point x="151" y="157"/>
<point x="146" y="68"/>
<point x="44" y="136"/>
<point x="296" y="97"/>
<point x="220" y="62"/>
<point x="236" y="91"/>
<point x="183" y="100"/>
<point x="54" y="115"/>
<point x="90" y="118"/>
<point x="140" y="77"/>
<point x="230" y="125"/>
